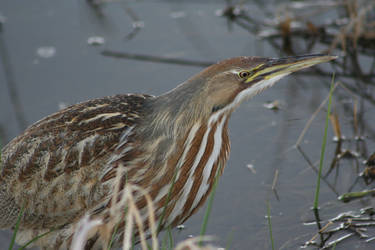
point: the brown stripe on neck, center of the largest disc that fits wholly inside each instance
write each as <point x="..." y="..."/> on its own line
<point x="219" y="163"/>
<point x="198" y="174"/>
<point x="184" y="171"/>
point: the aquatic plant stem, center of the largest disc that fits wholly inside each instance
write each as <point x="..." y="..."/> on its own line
<point x="317" y="191"/>
<point x="13" y="240"/>
<point x="209" y="206"/>
<point x="269" y="224"/>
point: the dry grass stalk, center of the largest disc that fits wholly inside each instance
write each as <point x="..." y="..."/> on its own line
<point x="193" y="244"/>
<point x="87" y="225"/>
<point x="123" y="207"/>
<point x="356" y="28"/>
<point x="310" y="242"/>
<point x="336" y="125"/>
<point x="84" y="227"/>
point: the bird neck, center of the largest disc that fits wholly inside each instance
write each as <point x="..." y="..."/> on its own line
<point x="182" y="150"/>
<point x="175" y="112"/>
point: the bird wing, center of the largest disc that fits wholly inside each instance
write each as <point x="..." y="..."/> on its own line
<point x="53" y="169"/>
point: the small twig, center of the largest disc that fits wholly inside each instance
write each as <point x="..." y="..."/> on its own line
<point x="370" y="239"/>
<point x="137" y="24"/>
<point x="275" y="177"/>
<point x="334" y="242"/>
<point x="367" y="224"/>
<point x="273" y="188"/>
<point x="270" y="225"/>
<point x="319" y="233"/>
<point x="312" y="166"/>
<point x="313" y="116"/>
<point x="159" y="59"/>
<point x="344" y="215"/>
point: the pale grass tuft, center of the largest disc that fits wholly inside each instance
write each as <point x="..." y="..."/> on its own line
<point x="134" y="213"/>
<point x="84" y="227"/>
<point x="194" y="244"/>
<point x="123" y="207"/>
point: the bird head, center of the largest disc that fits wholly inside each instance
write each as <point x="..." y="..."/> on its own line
<point x="231" y="81"/>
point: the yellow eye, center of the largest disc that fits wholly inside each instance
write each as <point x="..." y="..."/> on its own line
<point x="244" y="74"/>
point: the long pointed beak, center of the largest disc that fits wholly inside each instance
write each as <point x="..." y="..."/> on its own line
<point x="284" y="66"/>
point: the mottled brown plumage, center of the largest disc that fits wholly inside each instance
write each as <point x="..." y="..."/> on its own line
<point x="54" y="168"/>
<point x="65" y="165"/>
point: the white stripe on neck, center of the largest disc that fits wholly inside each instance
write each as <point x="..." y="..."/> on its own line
<point x="204" y="186"/>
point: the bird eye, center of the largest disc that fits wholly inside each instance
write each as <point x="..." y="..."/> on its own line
<point x="244" y="74"/>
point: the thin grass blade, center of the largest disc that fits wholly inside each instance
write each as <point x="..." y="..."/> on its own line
<point x="13" y="240"/>
<point x="317" y="191"/>
<point x="270" y="224"/>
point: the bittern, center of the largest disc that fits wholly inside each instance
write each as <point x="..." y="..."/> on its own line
<point x="64" y="166"/>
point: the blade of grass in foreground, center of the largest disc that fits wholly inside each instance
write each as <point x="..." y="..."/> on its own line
<point x="316" y="200"/>
<point x="35" y="239"/>
<point x="209" y="205"/>
<point x="20" y="214"/>
<point x="171" y="242"/>
<point x="167" y="242"/>
<point x="269" y="224"/>
<point x="167" y="200"/>
<point x="113" y="236"/>
<point x="230" y="240"/>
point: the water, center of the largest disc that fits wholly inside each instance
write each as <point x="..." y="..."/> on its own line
<point x="76" y="71"/>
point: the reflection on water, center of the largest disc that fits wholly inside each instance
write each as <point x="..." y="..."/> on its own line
<point x="147" y="48"/>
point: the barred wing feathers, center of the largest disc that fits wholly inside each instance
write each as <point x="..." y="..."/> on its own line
<point x="53" y="169"/>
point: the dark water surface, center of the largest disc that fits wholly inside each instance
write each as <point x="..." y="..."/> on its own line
<point x="52" y="64"/>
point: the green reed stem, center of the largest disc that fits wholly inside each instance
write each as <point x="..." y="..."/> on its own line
<point x="13" y="240"/>
<point x="316" y="200"/>
<point x="167" y="200"/>
<point x="209" y="205"/>
<point x="35" y="239"/>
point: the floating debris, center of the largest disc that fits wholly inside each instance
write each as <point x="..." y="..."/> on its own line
<point x="348" y="154"/>
<point x="359" y="138"/>
<point x="370" y="239"/>
<point x="138" y="24"/>
<point x="96" y="40"/>
<point x="181" y="227"/>
<point x="275" y="105"/>
<point x="355" y="195"/>
<point x="230" y="11"/>
<point x="345" y="215"/>
<point x="335" y="242"/>
<point x="367" y="210"/>
<point x="350" y="223"/>
<point x="177" y="14"/>
<point x="251" y="168"/>
<point x="339" y="139"/>
<point x="371" y="161"/>
<point x="368" y="173"/>
<point x="46" y="51"/>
